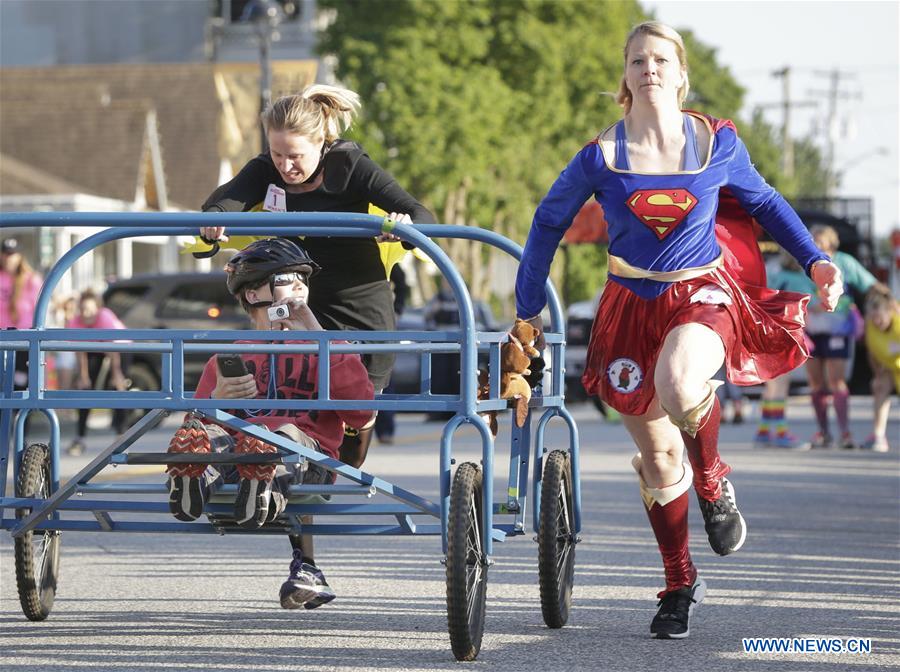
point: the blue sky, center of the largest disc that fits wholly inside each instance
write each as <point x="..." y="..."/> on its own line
<point x="860" y="39"/>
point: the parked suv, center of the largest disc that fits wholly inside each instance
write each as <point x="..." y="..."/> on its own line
<point x="173" y="301"/>
<point x="579" y="321"/>
<point x="406" y="376"/>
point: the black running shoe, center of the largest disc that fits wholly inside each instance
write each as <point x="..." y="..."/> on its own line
<point x="305" y="587"/>
<point x="188" y="484"/>
<point x="251" y="507"/>
<point x="187" y="496"/>
<point x="673" y="619"/>
<point x="724" y="524"/>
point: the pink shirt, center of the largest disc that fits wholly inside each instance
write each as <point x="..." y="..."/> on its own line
<point x="25" y="304"/>
<point x="106" y="319"/>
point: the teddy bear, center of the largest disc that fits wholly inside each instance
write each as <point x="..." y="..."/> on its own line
<point x="515" y="362"/>
<point x="526" y="334"/>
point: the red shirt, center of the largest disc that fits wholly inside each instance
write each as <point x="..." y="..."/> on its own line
<point x="297" y="378"/>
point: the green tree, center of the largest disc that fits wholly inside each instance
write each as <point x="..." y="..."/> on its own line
<point x="765" y="146"/>
<point x="713" y="90"/>
<point x="476" y="105"/>
<point x="810" y="172"/>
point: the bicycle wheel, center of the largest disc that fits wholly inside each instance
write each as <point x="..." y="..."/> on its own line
<point x="466" y="569"/>
<point x="556" y="540"/>
<point x="36" y="552"/>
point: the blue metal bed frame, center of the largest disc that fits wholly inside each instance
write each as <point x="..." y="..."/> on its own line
<point x="172" y="345"/>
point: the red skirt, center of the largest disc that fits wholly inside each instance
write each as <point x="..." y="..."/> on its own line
<point x="761" y="329"/>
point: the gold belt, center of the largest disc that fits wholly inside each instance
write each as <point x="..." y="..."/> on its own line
<point x="621" y="268"/>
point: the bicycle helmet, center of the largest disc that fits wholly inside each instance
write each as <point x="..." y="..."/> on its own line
<point x="257" y="263"/>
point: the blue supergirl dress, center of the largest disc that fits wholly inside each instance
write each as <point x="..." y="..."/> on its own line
<point x="669" y="267"/>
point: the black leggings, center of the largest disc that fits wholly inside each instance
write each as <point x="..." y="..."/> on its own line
<point x="95" y="363"/>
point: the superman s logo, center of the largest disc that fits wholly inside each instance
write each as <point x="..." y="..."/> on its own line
<point x="661" y="210"/>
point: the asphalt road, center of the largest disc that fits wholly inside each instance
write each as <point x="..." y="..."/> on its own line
<point x="821" y="560"/>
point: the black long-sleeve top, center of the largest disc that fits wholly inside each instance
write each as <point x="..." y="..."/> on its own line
<point x="351" y="180"/>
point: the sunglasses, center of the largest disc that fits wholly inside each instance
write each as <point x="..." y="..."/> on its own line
<point x="287" y="279"/>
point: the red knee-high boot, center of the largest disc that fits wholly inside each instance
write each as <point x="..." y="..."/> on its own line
<point x="667" y="509"/>
<point x="724" y="524"/>
<point x="703" y="452"/>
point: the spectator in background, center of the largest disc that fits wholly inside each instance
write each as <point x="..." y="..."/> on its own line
<point x="832" y="334"/>
<point x="65" y="310"/>
<point x="731" y="392"/>
<point x="772" y="431"/>
<point x="19" y="288"/>
<point x="96" y="370"/>
<point x="883" y="343"/>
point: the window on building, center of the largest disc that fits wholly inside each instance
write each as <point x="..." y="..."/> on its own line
<point x="232" y="11"/>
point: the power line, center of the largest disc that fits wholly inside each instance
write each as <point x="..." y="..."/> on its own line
<point x="834" y="94"/>
<point x="786" y="105"/>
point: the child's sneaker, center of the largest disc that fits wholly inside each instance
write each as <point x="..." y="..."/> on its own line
<point x="787" y="440"/>
<point x="877" y="444"/>
<point x="188" y="488"/>
<point x="847" y="442"/>
<point x="820" y="440"/>
<point x="305" y="587"/>
<point x="251" y="508"/>
<point x="763" y="438"/>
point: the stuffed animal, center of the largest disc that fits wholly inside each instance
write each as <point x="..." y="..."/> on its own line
<point x="515" y="361"/>
<point x="526" y="334"/>
<point x="484" y="392"/>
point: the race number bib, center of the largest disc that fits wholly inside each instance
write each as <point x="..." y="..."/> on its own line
<point x="276" y="201"/>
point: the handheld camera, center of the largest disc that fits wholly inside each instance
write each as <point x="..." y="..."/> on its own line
<point x="278" y="313"/>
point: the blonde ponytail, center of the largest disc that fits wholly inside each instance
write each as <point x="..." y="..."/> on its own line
<point x="319" y="111"/>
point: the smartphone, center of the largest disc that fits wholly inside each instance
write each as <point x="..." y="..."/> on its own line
<point x="231" y="366"/>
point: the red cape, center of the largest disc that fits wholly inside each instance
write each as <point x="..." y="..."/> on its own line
<point x="736" y="231"/>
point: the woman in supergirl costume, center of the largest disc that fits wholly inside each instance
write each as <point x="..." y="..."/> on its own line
<point x="685" y="294"/>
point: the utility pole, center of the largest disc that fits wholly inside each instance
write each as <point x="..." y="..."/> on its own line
<point x="834" y="94"/>
<point x="265" y="15"/>
<point x="786" y="104"/>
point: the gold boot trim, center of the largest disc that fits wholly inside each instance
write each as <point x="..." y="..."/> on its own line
<point x="690" y="423"/>
<point x="662" y="496"/>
